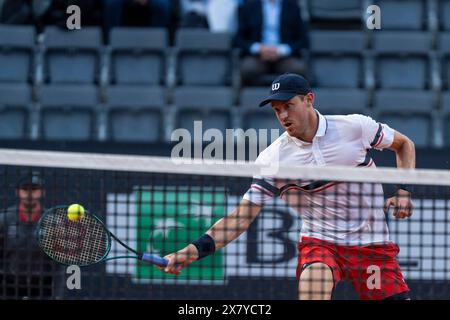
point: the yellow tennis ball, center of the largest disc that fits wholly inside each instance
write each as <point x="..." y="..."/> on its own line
<point x="75" y="212"/>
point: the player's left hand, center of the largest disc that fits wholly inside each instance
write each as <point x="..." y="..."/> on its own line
<point x="403" y="206"/>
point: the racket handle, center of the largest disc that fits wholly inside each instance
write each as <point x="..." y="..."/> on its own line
<point x="154" y="259"/>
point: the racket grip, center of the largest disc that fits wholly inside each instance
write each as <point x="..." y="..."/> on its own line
<point x="154" y="259"/>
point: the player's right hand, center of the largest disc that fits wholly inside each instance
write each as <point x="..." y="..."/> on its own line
<point x="180" y="259"/>
<point x="403" y="206"/>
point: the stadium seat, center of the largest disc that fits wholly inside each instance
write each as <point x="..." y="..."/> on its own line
<point x="68" y="112"/>
<point x="338" y="101"/>
<point x="203" y="58"/>
<point x="446" y="117"/>
<point x="15" y="111"/>
<point x="409" y="112"/>
<point x="444" y="14"/>
<point x="402" y="14"/>
<point x="135" y="113"/>
<point x="250" y="97"/>
<point x="72" y="56"/>
<point x="261" y="119"/>
<point x="337" y="58"/>
<point x="444" y="57"/>
<point x="254" y="117"/>
<point x="16" y="53"/>
<point x="137" y="56"/>
<point x="402" y="59"/>
<point x="335" y="10"/>
<point x="211" y="105"/>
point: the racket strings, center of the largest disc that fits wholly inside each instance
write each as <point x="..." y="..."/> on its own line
<point x="82" y="243"/>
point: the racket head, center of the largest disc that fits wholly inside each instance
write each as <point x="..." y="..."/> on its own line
<point x="83" y="243"/>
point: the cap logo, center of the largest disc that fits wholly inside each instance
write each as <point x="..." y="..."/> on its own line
<point x="275" y="86"/>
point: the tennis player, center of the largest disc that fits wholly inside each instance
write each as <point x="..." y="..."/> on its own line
<point x="344" y="234"/>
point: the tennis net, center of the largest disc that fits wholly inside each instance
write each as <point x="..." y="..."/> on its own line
<point x="160" y="205"/>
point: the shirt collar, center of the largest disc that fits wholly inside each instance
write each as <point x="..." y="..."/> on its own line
<point x="276" y="2"/>
<point x="323" y="124"/>
<point x="321" y="130"/>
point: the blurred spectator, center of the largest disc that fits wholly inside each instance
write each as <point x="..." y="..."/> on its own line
<point x="16" y="12"/>
<point x="25" y="271"/>
<point x="56" y="13"/>
<point x="193" y="14"/>
<point x="270" y="35"/>
<point x="222" y="15"/>
<point x="48" y="12"/>
<point x="217" y="15"/>
<point x="23" y="11"/>
<point x="157" y="12"/>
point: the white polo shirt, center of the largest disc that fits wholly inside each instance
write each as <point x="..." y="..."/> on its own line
<point x="343" y="213"/>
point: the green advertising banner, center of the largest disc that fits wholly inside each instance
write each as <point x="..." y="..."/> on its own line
<point x="170" y="218"/>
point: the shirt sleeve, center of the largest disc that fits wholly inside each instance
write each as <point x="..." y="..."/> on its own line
<point x="376" y="135"/>
<point x="263" y="188"/>
<point x="255" y="48"/>
<point x="284" y="50"/>
<point x="261" y="191"/>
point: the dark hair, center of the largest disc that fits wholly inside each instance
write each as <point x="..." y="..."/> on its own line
<point x="32" y="179"/>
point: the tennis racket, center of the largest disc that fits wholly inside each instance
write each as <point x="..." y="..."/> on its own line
<point x="84" y="242"/>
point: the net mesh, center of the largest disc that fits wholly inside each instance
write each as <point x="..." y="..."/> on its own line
<point x="81" y="243"/>
<point x="308" y="232"/>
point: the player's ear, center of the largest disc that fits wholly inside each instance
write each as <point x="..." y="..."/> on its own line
<point x="310" y="97"/>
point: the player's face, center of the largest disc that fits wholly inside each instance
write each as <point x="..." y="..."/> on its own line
<point x="294" y="114"/>
<point x="30" y="197"/>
